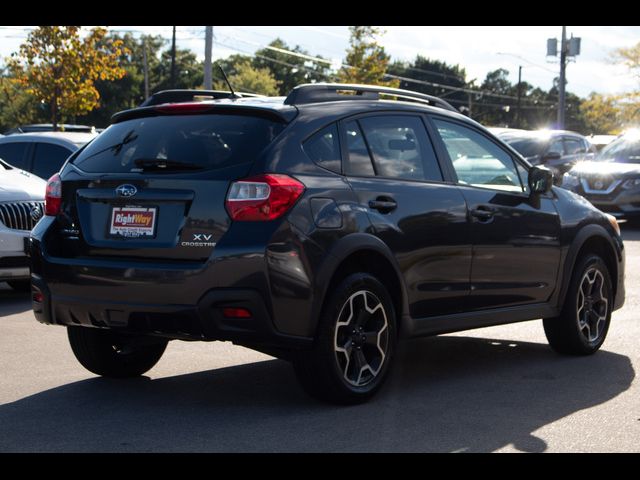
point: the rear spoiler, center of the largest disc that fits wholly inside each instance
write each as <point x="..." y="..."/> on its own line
<point x="182" y="96"/>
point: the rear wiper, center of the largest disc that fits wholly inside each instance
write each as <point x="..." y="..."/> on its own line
<point x="116" y="147"/>
<point x="163" y="165"/>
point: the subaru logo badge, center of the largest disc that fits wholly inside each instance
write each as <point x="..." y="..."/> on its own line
<point x="36" y="213"/>
<point x="126" y="190"/>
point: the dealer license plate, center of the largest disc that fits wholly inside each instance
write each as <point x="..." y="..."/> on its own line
<point x="133" y="222"/>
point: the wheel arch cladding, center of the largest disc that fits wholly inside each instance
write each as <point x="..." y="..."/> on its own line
<point x="369" y="260"/>
<point x="592" y="239"/>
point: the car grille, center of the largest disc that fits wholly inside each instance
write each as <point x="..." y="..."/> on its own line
<point x="18" y="215"/>
<point x="600" y="185"/>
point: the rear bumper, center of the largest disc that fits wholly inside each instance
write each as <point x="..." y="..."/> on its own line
<point x="203" y="320"/>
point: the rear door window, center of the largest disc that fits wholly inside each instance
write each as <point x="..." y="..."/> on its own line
<point x="400" y="147"/>
<point x="48" y="159"/>
<point x="195" y="141"/>
<point x="14" y="154"/>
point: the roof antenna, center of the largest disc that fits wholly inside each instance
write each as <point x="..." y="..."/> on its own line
<point x="226" y="80"/>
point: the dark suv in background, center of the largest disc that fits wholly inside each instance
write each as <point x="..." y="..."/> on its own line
<point x="558" y="150"/>
<point x="318" y="228"/>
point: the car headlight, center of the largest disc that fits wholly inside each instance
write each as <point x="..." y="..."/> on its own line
<point x="631" y="183"/>
<point x="570" y="180"/>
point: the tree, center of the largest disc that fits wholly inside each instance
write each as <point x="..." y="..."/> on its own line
<point x="128" y="91"/>
<point x="601" y="114"/>
<point x="290" y="70"/>
<point x="16" y="106"/>
<point x="433" y="72"/>
<point x="630" y="57"/>
<point x="244" y="77"/>
<point x="59" y="68"/>
<point x="189" y="71"/>
<point x="366" y="61"/>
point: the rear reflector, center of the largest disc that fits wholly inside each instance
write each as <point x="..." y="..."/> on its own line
<point x="263" y="197"/>
<point x="232" y="312"/>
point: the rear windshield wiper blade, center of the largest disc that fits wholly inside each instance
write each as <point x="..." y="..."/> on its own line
<point x="163" y="165"/>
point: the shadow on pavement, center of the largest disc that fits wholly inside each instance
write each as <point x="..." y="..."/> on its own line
<point x="12" y="302"/>
<point x="446" y="394"/>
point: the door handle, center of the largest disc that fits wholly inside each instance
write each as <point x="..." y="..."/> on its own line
<point x="483" y="213"/>
<point x="383" y="204"/>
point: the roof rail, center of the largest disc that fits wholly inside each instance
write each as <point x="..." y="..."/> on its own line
<point x="329" y="92"/>
<point x="182" y="96"/>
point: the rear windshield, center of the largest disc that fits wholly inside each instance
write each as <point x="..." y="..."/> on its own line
<point x="198" y="141"/>
<point x="527" y="147"/>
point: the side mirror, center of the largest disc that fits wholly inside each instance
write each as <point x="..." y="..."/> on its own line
<point x="551" y="156"/>
<point x="540" y="180"/>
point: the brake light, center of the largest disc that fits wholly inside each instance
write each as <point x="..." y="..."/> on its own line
<point x="184" y="108"/>
<point x="263" y="197"/>
<point x="53" y="196"/>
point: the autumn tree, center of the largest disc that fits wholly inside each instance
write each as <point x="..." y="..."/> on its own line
<point x="58" y="67"/>
<point x="366" y="60"/>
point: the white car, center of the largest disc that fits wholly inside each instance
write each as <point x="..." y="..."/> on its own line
<point x="21" y="206"/>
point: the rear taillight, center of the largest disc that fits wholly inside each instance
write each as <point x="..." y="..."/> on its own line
<point x="263" y="197"/>
<point x="53" y="196"/>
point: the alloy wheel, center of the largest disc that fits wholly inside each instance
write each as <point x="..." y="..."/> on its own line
<point x="361" y="338"/>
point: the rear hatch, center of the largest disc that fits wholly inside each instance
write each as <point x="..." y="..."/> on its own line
<point x="154" y="186"/>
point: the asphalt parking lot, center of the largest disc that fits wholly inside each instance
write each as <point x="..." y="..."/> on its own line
<point x="486" y="390"/>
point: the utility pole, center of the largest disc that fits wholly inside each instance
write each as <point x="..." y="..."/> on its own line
<point x="569" y="49"/>
<point x="519" y="96"/>
<point x="563" y="69"/>
<point x="146" y="69"/>
<point x="173" y="59"/>
<point x="208" y="46"/>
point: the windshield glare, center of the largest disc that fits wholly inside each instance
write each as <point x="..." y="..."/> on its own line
<point x="622" y="150"/>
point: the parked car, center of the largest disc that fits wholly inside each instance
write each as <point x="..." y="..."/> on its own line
<point x="601" y="141"/>
<point x="21" y="206"/>
<point x="41" y="153"/>
<point x="48" y="127"/>
<point x="612" y="181"/>
<point x="319" y="228"/>
<point x="557" y="150"/>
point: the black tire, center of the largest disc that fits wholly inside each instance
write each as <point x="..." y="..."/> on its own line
<point x="110" y="354"/>
<point x="584" y="321"/>
<point x="20" y="285"/>
<point x="330" y="375"/>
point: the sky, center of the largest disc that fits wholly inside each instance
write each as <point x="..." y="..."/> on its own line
<point x="479" y="49"/>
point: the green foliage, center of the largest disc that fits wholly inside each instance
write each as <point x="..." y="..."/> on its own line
<point x="244" y="77"/>
<point x="433" y="72"/>
<point x="17" y="107"/>
<point x="290" y="70"/>
<point x="57" y="67"/>
<point x="366" y="60"/>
